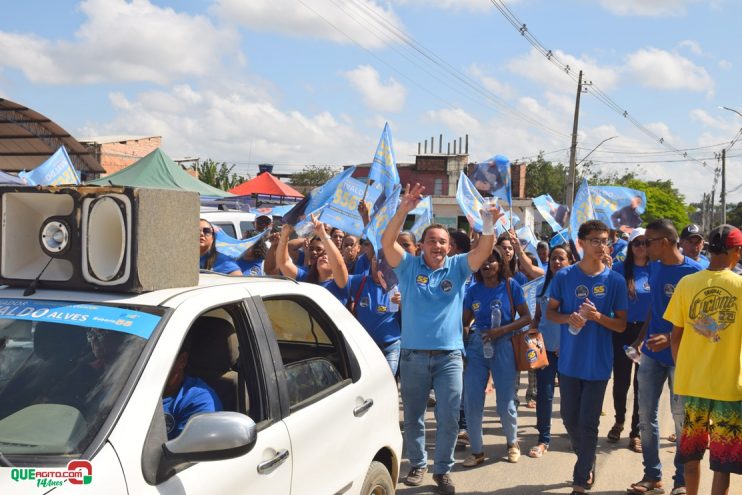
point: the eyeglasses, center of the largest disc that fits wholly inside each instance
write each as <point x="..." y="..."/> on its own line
<point x="639" y="243"/>
<point x="207" y="231"/>
<point x="596" y="242"/>
<point x="650" y="240"/>
<point x="94" y="336"/>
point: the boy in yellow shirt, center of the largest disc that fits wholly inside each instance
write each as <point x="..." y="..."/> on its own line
<point x="706" y="313"/>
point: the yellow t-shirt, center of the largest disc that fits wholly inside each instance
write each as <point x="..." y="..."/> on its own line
<point x="708" y="305"/>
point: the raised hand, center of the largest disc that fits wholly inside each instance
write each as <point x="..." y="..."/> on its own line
<point x="411" y="197"/>
<point x="319" y="227"/>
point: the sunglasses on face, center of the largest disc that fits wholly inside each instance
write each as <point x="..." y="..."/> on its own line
<point x="639" y="243"/>
<point x="650" y="240"/>
<point x="207" y="231"/>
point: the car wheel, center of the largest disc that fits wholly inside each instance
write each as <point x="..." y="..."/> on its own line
<point x="378" y="480"/>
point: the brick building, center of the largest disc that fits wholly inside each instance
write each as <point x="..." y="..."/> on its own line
<point x="118" y="152"/>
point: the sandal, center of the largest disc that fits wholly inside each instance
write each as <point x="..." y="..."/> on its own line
<point x="538" y="450"/>
<point x="678" y="490"/>
<point x="635" y="444"/>
<point x="473" y="460"/>
<point x="531" y="404"/>
<point x="614" y="435"/>
<point x="646" y="487"/>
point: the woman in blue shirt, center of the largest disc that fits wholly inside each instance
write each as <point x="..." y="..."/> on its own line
<point x="494" y="287"/>
<point x="635" y="270"/>
<point x="251" y="261"/>
<point x="560" y="257"/>
<point x="326" y="266"/>
<point x="211" y="259"/>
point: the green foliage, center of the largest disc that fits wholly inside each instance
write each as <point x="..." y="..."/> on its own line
<point x="312" y="176"/>
<point x="734" y="214"/>
<point x="544" y="177"/>
<point x="217" y="174"/>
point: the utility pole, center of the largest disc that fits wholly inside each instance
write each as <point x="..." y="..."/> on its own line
<point x="723" y="194"/>
<point x="573" y="150"/>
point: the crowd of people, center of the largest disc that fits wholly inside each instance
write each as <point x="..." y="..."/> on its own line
<point x="647" y="311"/>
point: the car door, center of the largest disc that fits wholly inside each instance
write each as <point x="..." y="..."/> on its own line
<point x="327" y="408"/>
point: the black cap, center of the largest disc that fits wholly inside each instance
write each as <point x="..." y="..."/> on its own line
<point x="723" y="238"/>
<point x="691" y="231"/>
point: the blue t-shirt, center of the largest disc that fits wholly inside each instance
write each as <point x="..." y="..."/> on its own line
<point x="619" y="250"/>
<point x="251" y="267"/>
<point x="372" y="310"/>
<point x="663" y="279"/>
<point x="194" y="396"/>
<point x="639" y="305"/>
<point x="521" y="278"/>
<point x="589" y="354"/>
<point x="551" y="331"/>
<point x="341" y="294"/>
<point x="222" y="263"/>
<point x="703" y="261"/>
<point x="432" y="302"/>
<point x="363" y="264"/>
<point x="479" y="299"/>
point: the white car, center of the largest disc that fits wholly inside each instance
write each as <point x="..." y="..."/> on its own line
<point x="309" y="404"/>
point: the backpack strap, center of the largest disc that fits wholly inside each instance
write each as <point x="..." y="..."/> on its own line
<point x="354" y="301"/>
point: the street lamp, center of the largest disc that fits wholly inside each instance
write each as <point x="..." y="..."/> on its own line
<point x="724" y="175"/>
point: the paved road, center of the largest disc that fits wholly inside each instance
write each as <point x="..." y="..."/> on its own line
<point x="617" y="467"/>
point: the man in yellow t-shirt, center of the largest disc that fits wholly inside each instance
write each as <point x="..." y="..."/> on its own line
<point x="706" y="313"/>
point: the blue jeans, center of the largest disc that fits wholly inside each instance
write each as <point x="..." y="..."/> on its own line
<point x="391" y="353"/>
<point x="652" y="375"/>
<point x="476" y="373"/>
<point x="419" y="370"/>
<point x="545" y="379"/>
<point x="581" y="404"/>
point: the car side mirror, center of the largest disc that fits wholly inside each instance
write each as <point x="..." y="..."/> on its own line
<point x="208" y="437"/>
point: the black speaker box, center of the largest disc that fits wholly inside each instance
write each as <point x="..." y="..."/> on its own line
<point x="111" y="238"/>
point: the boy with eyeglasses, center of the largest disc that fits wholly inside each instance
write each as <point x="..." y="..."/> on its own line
<point x="667" y="266"/>
<point x="589" y="300"/>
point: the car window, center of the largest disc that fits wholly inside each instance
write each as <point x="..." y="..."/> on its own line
<point x="312" y="350"/>
<point x="246" y="226"/>
<point x="68" y="375"/>
<point x="227" y="227"/>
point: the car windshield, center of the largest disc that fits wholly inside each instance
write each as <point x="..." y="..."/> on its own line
<point x="62" y="367"/>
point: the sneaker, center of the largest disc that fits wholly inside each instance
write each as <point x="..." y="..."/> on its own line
<point x="463" y="439"/>
<point x="514" y="453"/>
<point x="415" y="476"/>
<point x="445" y="485"/>
<point x="473" y="460"/>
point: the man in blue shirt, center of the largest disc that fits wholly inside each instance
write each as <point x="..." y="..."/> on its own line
<point x="589" y="300"/>
<point x="432" y="288"/>
<point x="691" y="243"/>
<point x="667" y="266"/>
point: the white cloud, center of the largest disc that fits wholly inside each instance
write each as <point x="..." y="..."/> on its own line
<point x="536" y="67"/>
<point x="455" y="5"/>
<point x="315" y="19"/>
<point x="648" y="7"/>
<point x="693" y="46"/>
<point x="661" y="69"/>
<point x="388" y="96"/>
<point x="121" y="41"/>
<point x="725" y="64"/>
<point x="499" y="88"/>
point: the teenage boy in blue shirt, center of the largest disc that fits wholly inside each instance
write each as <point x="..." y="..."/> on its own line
<point x="432" y="288"/>
<point x="589" y="300"/>
<point x="667" y="266"/>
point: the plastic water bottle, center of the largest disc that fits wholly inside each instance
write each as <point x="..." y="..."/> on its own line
<point x="496" y="318"/>
<point x="632" y="353"/>
<point x="574" y="330"/>
<point x="393" y="307"/>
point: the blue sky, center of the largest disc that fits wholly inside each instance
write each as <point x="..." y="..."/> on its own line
<point x="296" y="82"/>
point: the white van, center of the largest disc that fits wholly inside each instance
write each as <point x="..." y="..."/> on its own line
<point x="233" y="223"/>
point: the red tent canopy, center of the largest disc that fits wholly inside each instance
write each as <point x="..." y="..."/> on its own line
<point x="265" y="183"/>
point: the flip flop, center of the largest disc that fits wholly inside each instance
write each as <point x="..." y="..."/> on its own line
<point x="538" y="450"/>
<point x="614" y="435"/>
<point x="647" y="488"/>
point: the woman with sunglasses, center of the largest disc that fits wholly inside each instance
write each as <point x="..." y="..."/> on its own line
<point x="211" y="259"/>
<point x="559" y="257"/>
<point x="326" y="266"/>
<point x="635" y="270"/>
<point x="494" y="288"/>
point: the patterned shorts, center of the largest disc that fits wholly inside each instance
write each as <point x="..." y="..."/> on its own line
<point x="716" y="425"/>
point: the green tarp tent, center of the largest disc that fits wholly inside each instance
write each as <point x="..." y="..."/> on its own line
<point x="160" y="171"/>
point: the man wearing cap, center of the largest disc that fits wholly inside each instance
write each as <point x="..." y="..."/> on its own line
<point x="706" y="314"/>
<point x="263" y="222"/>
<point x="691" y="243"/>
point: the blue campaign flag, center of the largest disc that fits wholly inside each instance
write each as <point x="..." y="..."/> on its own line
<point x="235" y="248"/>
<point x="530" y="291"/>
<point x="582" y="211"/>
<point x="618" y="207"/>
<point x="423" y="216"/>
<point x="317" y="198"/>
<point x="384" y="167"/>
<point x="55" y="171"/>
<point x="470" y="202"/>
<point x="380" y="219"/>
<point x="556" y="215"/>
<point x="492" y="177"/>
<point x="527" y="240"/>
<point x="342" y="211"/>
<point x="561" y="237"/>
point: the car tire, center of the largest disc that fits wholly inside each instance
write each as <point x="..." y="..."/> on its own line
<point x="378" y="480"/>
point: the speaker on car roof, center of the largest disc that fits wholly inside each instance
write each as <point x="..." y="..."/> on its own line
<point x="112" y="238"/>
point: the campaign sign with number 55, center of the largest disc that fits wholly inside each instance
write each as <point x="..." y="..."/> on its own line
<point x="342" y="212"/>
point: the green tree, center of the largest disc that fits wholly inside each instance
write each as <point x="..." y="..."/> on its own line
<point x="217" y="174"/>
<point x="312" y="176"/>
<point x="734" y="214"/>
<point x="544" y="177"/>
